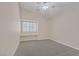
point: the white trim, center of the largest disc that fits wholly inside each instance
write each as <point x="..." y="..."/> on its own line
<point x="16" y="48"/>
<point x="30" y="20"/>
<point x="65" y="44"/>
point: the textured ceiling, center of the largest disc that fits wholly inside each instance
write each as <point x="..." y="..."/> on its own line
<point x="54" y="7"/>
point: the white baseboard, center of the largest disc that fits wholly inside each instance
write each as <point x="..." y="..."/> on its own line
<point x="16" y="48"/>
<point x="65" y="44"/>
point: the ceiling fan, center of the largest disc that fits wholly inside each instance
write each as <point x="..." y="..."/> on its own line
<point x="44" y="6"/>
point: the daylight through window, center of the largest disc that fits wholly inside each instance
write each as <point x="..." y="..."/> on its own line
<point x="29" y="26"/>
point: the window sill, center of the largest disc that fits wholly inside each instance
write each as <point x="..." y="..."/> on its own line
<point x="28" y="34"/>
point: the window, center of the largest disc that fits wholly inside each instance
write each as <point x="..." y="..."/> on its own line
<point x="29" y="26"/>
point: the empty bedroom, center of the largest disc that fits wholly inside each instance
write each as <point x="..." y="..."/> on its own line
<point x="49" y="29"/>
<point x="39" y="28"/>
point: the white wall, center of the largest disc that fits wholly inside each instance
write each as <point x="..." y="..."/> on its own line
<point x="65" y="27"/>
<point x="9" y="28"/>
<point x="30" y="37"/>
<point x="43" y="24"/>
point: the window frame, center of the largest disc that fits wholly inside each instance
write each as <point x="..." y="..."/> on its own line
<point x="32" y="21"/>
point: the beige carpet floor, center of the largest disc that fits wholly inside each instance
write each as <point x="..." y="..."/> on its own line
<point x="44" y="48"/>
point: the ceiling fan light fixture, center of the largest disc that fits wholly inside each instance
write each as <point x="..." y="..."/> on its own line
<point x="44" y="7"/>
